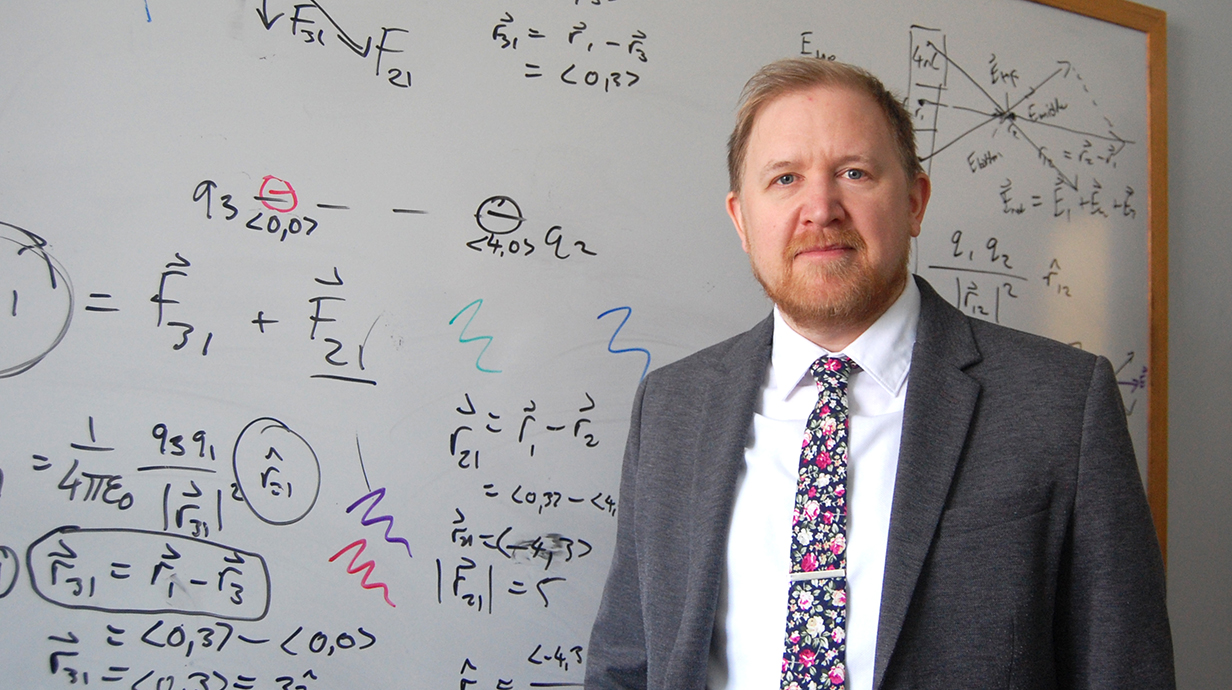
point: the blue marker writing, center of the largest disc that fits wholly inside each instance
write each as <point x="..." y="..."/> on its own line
<point x="628" y="312"/>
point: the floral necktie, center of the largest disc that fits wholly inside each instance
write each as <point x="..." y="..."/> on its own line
<point x="815" y="654"/>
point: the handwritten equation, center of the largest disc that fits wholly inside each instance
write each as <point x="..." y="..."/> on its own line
<point x="547" y="665"/>
<point x="500" y="217"/>
<point x="311" y="25"/>
<point x="471" y="578"/>
<point x="136" y="571"/>
<point x="589" y="53"/>
<point x="988" y="279"/>
<point x="210" y="645"/>
<point x="531" y="424"/>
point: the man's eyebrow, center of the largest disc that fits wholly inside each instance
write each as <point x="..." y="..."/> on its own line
<point x="861" y="159"/>
<point x="775" y="166"/>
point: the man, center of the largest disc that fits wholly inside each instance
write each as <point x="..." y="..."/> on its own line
<point x="970" y="490"/>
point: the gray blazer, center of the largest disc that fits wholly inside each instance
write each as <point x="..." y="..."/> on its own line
<point x="1021" y="550"/>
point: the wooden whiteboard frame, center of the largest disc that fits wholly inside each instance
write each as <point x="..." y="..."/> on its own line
<point x="1154" y="23"/>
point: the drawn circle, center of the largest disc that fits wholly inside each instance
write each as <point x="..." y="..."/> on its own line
<point x="277" y="471"/>
<point x="499" y="215"/>
<point x="36" y="300"/>
<point x="276" y="193"/>
<point x="9" y="567"/>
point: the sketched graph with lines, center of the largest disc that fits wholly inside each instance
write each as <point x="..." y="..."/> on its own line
<point x="989" y="111"/>
<point x="1037" y="170"/>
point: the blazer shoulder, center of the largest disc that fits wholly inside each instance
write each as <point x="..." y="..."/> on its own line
<point x="748" y="349"/>
<point x="946" y="334"/>
<point x="1002" y="342"/>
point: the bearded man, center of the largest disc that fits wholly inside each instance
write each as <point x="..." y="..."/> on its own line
<point x="964" y="510"/>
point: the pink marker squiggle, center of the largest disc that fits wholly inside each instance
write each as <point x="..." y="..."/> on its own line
<point x="367" y="568"/>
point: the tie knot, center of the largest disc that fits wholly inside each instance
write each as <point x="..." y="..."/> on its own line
<point x="833" y="371"/>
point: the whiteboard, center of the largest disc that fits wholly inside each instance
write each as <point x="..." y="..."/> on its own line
<point x="320" y="323"/>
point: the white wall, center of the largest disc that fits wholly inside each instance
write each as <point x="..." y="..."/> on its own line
<point x="1200" y="445"/>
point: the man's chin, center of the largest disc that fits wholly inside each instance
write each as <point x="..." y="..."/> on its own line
<point x="824" y="315"/>
<point x="832" y="303"/>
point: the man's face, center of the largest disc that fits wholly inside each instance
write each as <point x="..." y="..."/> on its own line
<point x="826" y="211"/>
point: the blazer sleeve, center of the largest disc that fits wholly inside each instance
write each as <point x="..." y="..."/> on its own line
<point x="617" y="657"/>
<point x="1111" y="621"/>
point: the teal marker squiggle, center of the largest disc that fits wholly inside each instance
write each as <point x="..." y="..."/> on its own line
<point x="628" y="312"/>
<point x="477" y="304"/>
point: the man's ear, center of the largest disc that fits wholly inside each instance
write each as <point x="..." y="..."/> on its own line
<point x="733" y="211"/>
<point x="917" y="201"/>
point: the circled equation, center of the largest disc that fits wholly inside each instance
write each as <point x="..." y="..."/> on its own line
<point x="138" y="571"/>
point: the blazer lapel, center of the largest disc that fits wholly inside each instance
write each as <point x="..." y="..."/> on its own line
<point x="941" y="400"/>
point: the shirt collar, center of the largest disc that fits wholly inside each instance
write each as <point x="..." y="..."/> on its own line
<point x="883" y="351"/>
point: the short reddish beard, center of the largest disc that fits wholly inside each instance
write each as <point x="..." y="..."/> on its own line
<point x="853" y="293"/>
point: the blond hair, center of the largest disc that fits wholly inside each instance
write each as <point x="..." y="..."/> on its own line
<point x="797" y="74"/>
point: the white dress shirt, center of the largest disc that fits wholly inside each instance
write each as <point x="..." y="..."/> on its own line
<point x="747" y="651"/>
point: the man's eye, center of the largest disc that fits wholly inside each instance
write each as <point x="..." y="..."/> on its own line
<point x="853" y="174"/>
<point x="785" y="179"/>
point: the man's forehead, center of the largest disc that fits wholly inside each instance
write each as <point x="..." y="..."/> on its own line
<point x="873" y="128"/>
<point x="835" y="92"/>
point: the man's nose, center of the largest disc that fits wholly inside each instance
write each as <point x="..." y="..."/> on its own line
<point x="822" y="203"/>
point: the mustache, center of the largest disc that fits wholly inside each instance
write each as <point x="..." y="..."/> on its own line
<point x="825" y="237"/>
